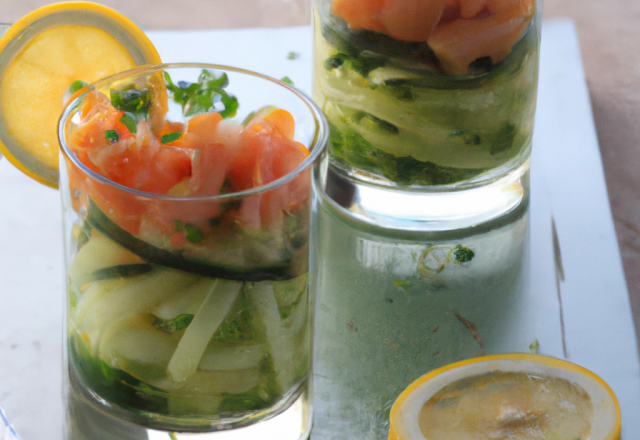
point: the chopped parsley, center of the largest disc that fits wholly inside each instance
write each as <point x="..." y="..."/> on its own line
<point x="287" y="80"/>
<point x="534" y="347"/>
<point x="112" y="136"/>
<point x="178" y="323"/>
<point x="168" y="138"/>
<point x="462" y="254"/>
<point x="76" y="85"/>
<point x="129" y="121"/>
<point x="132" y="101"/>
<point x="192" y="232"/>
<point x="293" y="55"/>
<point x="204" y="96"/>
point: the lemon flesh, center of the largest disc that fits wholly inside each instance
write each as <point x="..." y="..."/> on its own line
<point x="505" y="405"/>
<point x="33" y="85"/>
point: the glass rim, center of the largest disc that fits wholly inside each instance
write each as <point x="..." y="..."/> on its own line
<point x="318" y="146"/>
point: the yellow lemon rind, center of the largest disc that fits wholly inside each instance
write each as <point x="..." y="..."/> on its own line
<point x="71" y="13"/>
<point x="398" y="425"/>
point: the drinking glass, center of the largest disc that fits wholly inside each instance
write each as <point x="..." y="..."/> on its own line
<point x="435" y="98"/>
<point x="188" y="313"/>
<point x="420" y="237"/>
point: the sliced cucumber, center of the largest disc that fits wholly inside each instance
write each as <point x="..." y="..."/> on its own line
<point x="105" y="302"/>
<point x="222" y="295"/>
<point x="261" y="294"/>
<point x="187" y="303"/>
<point x="222" y="381"/>
<point x="121" y="271"/>
<point x="135" y="347"/>
<point x="219" y="357"/>
<point x="156" y="255"/>
<point x="97" y="254"/>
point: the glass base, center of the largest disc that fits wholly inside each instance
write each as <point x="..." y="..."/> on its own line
<point x="434" y="209"/>
<point x="87" y="421"/>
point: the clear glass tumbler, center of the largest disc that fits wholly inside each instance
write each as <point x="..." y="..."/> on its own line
<point x="187" y="311"/>
<point x="430" y="96"/>
<point x="420" y="237"/>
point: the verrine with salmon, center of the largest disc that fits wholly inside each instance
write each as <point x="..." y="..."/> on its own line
<point x="422" y="93"/>
<point x="186" y="233"/>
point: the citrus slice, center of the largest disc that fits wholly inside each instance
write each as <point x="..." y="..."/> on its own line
<point x="40" y="56"/>
<point x="506" y="396"/>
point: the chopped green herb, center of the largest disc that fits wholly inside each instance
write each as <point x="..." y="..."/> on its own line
<point x="238" y="325"/>
<point x="168" y="138"/>
<point x="333" y="63"/>
<point x="361" y="65"/>
<point x="178" y="323"/>
<point x="204" y="96"/>
<point x="132" y="101"/>
<point x="293" y="55"/>
<point x="194" y="233"/>
<point x="534" y="347"/>
<point x="130" y="122"/>
<point x="76" y="85"/>
<point x="462" y="254"/>
<point x="111" y="135"/>
<point x="286" y="79"/>
<point x="400" y="283"/>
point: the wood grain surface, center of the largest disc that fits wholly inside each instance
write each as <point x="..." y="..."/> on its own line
<point x="609" y="33"/>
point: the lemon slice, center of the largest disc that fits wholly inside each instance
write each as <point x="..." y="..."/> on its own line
<point x="506" y="396"/>
<point x="40" y="56"/>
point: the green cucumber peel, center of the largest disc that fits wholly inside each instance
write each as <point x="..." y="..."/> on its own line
<point x="154" y="255"/>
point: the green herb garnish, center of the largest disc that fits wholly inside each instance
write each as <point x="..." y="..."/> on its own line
<point x="76" y="85"/>
<point x="238" y="326"/>
<point x="112" y="136"/>
<point x="132" y="101"/>
<point x="293" y="55"/>
<point x="129" y="121"/>
<point x="203" y="96"/>
<point x="287" y="80"/>
<point x="168" y="138"/>
<point x="361" y="65"/>
<point x="462" y="254"/>
<point x="178" y="323"/>
<point x="193" y="233"/>
<point x="534" y="347"/>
